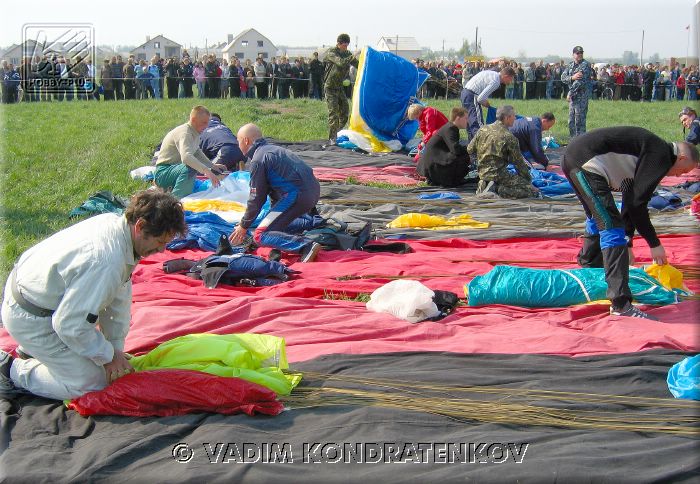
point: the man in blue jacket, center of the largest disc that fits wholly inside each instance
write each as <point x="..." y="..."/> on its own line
<point x="220" y="145"/>
<point x="528" y="132"/>
<point x="689" y="120"/>
<point x="293" y="190"/>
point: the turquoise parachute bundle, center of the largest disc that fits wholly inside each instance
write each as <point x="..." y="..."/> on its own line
<point x="386" y="85"/>
<point x="544" y="288"/>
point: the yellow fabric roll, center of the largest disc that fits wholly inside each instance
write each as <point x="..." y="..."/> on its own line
<point x="212" y="205"/>
<point x="434" y="222"/>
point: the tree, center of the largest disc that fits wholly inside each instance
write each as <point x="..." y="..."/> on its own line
<point x="629" y="58"/>
<point x="466" y="50"/>
<point x="655" y="57"/>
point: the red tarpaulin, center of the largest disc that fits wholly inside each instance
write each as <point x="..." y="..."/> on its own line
<point x="166" y="305"/>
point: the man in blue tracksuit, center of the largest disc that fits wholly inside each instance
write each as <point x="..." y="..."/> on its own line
<point x="528" y="132"/>
<point x="220" y="145"/>
<point x="293" y="190"/>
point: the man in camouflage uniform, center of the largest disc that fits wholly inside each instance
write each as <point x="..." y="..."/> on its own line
<point x="494" y="148"/>
<point x="337" y="65"/>
<point x="577" y="76"/>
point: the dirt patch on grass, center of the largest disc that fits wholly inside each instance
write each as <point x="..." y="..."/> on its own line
<point x="279" y="108"/>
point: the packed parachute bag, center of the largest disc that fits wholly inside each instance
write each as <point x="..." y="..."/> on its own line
<point x="227" y="267"/>
<point x="338" y="235"/>
<point x="543" y="288"/>
<point x="195" y="373"/>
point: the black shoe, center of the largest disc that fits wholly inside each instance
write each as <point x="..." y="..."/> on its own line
<point x="309" y="253"/>
<point x="632" y="312"/>
<point x="7" y="388"/>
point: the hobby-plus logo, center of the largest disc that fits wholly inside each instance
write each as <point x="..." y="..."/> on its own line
<point x="58" y="56"/>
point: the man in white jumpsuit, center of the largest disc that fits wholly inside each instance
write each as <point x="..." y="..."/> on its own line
<point x="67" y="302"/>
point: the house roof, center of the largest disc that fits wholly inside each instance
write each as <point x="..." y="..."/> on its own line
<point x="404" y="43"/>
<point x="154" y="38"/>
<point x="237" y="38"/>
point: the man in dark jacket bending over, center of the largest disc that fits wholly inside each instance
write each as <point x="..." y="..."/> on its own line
<point x="633" y="161"/>
<point x="528" y="132"/>
<point x="292" y="187"/>
<point x="220" y="145"/>
<point x="444" y="161"/>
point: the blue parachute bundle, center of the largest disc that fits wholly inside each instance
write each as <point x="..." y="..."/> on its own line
<point x="544" y="288"/>
<point x="387" y="85"/>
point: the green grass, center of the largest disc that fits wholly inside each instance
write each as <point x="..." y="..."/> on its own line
<point x="54" y="156"/>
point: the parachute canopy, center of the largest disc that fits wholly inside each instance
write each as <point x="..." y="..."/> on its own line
<point x="386" y="84"/>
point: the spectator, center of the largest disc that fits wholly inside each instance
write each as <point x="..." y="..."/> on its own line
<point x="106" y="79"/>
<point x="186" y="73"/>
<point x="129" y="76"/>
<point x="200" y="79"/>
<point x="260" y="82"/>
<point x="154" y="70"/>
<point x="316" y="72"/>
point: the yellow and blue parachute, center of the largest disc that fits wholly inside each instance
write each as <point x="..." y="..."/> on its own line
<point x="385" y="86"/>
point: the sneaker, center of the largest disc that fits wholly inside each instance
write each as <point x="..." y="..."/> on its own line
<point x="309" y="253"/>
<point x="7" y="388"/>
<point x="632" y="312"/>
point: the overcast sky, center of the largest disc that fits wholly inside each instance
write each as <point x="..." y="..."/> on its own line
<point x="605" y="28"/>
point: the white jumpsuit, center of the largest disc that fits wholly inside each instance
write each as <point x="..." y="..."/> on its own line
<point x="84" y="274"/>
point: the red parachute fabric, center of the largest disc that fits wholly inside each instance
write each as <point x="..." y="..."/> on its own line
<point x="163" y="393"/>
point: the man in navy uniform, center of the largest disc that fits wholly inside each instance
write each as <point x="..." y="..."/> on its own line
<point x="577" y="76"/>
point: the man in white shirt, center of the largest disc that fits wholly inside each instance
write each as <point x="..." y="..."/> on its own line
<point x="476" y="94"/>
<point x="67" y="302"/>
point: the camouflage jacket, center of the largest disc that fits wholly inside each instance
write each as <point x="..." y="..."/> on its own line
<point x="578" y="87"/>
<point x="337" y="66"/>
<point x="494" y="148"/>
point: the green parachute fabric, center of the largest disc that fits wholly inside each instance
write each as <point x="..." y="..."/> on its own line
<point x="257" y="358"/>
<point x="546" y="288"/>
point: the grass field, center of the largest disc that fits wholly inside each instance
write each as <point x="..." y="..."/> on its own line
<point x="54" y="156"/>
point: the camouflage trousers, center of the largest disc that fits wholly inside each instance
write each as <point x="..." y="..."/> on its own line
<point x="508" y="185"/>
<point x="338" y="110"/>
<point x="578" y="109"/>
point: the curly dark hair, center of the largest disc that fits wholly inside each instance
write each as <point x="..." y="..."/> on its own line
<point x="162" y="212"/>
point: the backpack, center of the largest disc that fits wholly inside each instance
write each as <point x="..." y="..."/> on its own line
<point x="337" y="236"/>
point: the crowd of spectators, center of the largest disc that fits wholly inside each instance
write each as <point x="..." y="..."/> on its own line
<point x="59" y="78"/>
<point x="539" y="80"/>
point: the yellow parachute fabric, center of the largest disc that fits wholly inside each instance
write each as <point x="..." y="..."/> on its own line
<point x="212" y="205"/>
<point x="257" y="358"/>
<point x="669" y="277"/>
<point x="434" y="222"/>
